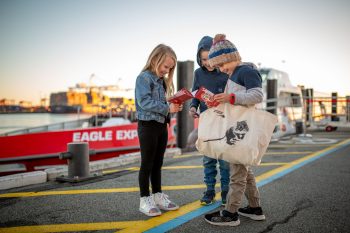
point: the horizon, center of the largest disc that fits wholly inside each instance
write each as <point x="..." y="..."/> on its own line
<point x="48" y="46"/>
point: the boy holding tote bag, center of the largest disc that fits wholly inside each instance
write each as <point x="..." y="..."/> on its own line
<point x="243" y="89"/>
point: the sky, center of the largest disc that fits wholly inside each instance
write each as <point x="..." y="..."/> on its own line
<point x="47" y="46"/>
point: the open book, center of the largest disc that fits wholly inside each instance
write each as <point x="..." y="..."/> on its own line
<point x="201" y="94"/>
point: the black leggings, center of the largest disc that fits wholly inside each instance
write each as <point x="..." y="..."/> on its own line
<point x="153" y="138"/>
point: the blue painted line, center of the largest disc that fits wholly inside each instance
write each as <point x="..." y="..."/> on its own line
<point x="299" y="165"/>
<point x="184" y="218"/>
<point x="200" y="211"/>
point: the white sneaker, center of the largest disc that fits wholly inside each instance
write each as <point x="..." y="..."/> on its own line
<point x="163" y="202"/>
<point x="148" y="206"/>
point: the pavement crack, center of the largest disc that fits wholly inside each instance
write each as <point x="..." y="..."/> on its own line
<point x="300" y="205"/>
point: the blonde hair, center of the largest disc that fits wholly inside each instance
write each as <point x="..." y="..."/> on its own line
<point x="156" y="58"/>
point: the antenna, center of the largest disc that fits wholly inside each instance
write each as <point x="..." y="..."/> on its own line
<point x="92" y="76"/>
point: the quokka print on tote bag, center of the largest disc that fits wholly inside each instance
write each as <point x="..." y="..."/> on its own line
<point x="234" y="133"/>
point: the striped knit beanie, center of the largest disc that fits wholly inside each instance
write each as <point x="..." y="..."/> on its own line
<point x="222" y="51"/>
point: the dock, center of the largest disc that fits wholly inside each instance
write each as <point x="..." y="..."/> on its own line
<point x="303" y="182"/>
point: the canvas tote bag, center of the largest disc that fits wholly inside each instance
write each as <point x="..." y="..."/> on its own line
<point x="234" y="133"/>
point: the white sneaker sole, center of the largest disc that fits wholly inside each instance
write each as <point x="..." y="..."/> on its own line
<point x="231" y="224"/>
<point x="150" y="214"/>
<point x="165" y="208"/>
<point x="253" y="216"/>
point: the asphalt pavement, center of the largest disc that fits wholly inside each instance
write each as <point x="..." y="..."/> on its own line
<point x="303" y="182"/>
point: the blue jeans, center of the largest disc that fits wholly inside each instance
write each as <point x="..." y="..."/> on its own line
<point x="210" y="172"/>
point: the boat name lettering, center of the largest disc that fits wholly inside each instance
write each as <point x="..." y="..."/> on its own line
<point x="126" y="134"/>
<point x="93" y="136"/>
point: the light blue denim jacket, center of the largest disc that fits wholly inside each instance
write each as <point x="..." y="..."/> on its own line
<point x="150" y="98"/>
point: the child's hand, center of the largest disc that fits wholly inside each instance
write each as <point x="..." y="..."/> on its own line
<point x="222" y="97"/>
<point x="210" y="104"/>
<point x="173" y="108"/>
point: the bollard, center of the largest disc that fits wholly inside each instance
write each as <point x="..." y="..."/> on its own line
<point x="334" y="116"/>
<point x="185" y="124"/>
<point x="309" y="106"/>
<point x="78" y="162"/>
<point x="271" y="96"/>
<point x="299" y="127"/>
<point x="347" y="108"/>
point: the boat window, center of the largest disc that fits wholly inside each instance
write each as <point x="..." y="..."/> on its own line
<point x="289" y="100"/>
<point x="264" y="74"/>
<point x="296" y="100"/>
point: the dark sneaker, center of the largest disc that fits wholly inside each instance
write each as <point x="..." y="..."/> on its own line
<point x="208" y="198"/>
<point x="253" y="213"/>
<point x="223" y="197"/>
<point x="223" y="218"/>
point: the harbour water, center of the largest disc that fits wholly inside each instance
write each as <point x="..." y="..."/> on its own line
<point x="10" y="122"/>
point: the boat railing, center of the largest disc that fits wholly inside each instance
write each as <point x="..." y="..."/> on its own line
<point x="81" y="123"/>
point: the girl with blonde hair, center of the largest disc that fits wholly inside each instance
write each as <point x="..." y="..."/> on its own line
<point x="153" y="85"/>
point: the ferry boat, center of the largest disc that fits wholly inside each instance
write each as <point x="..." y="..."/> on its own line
<point x="40" y="150"/>
<point x="289" y="103"/>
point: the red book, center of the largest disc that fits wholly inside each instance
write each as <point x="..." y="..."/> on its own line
<point x="201" y="94"/>
<point x="206" y="96"/>
<point x="181" y="96"/>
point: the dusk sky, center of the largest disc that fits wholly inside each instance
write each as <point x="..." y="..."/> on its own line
<point x="47" y="46"/>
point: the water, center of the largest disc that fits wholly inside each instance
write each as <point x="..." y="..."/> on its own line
<point x="11" y="122"/>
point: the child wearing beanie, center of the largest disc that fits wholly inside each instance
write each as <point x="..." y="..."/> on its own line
<point x="215" y="81"/>
<point x="244" y="87"/>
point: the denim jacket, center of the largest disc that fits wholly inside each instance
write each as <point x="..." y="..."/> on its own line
<point x="150" y="98"/>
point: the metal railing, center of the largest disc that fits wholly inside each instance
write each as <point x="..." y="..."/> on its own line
<point x="327" y="111"/>
<point x="50" y="127"/>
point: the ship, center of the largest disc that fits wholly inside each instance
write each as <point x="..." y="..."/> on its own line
<point x="40" y="150"/>
<point x="31" y="150"/>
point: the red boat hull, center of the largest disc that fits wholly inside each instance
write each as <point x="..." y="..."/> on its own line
<point x="39" y="150"/>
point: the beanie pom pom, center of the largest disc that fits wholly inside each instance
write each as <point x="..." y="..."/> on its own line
<point x="218" y="38"/>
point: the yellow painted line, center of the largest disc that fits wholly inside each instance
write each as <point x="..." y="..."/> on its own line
<point x="182" y="167"/>
<point x="267" y="153"/>
<point x="154" y="222"/>
<point x="296" y="145"/>
<point x="186" y="156"/>
<point x="165" y="217"/>
<point x="297" y="161"/>
<point x="163" y="168"/>
<point x="94" y="191"/>
<point x="271" y="164"/>
<point x="174" y="168"/>
<point x="140" y="226"/>
<point x="288" y="153"/>
<point x="115" y="190"/>
<point x="71" y="227"/>
<point x="112" y="171"/>
<point x="119" y="170"/>
<point x="69" y="192"/>
<point x="200" y="166"/>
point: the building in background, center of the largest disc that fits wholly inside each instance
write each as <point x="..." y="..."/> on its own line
<point x="93" y="99"/>
<point x="23" y="106"/>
